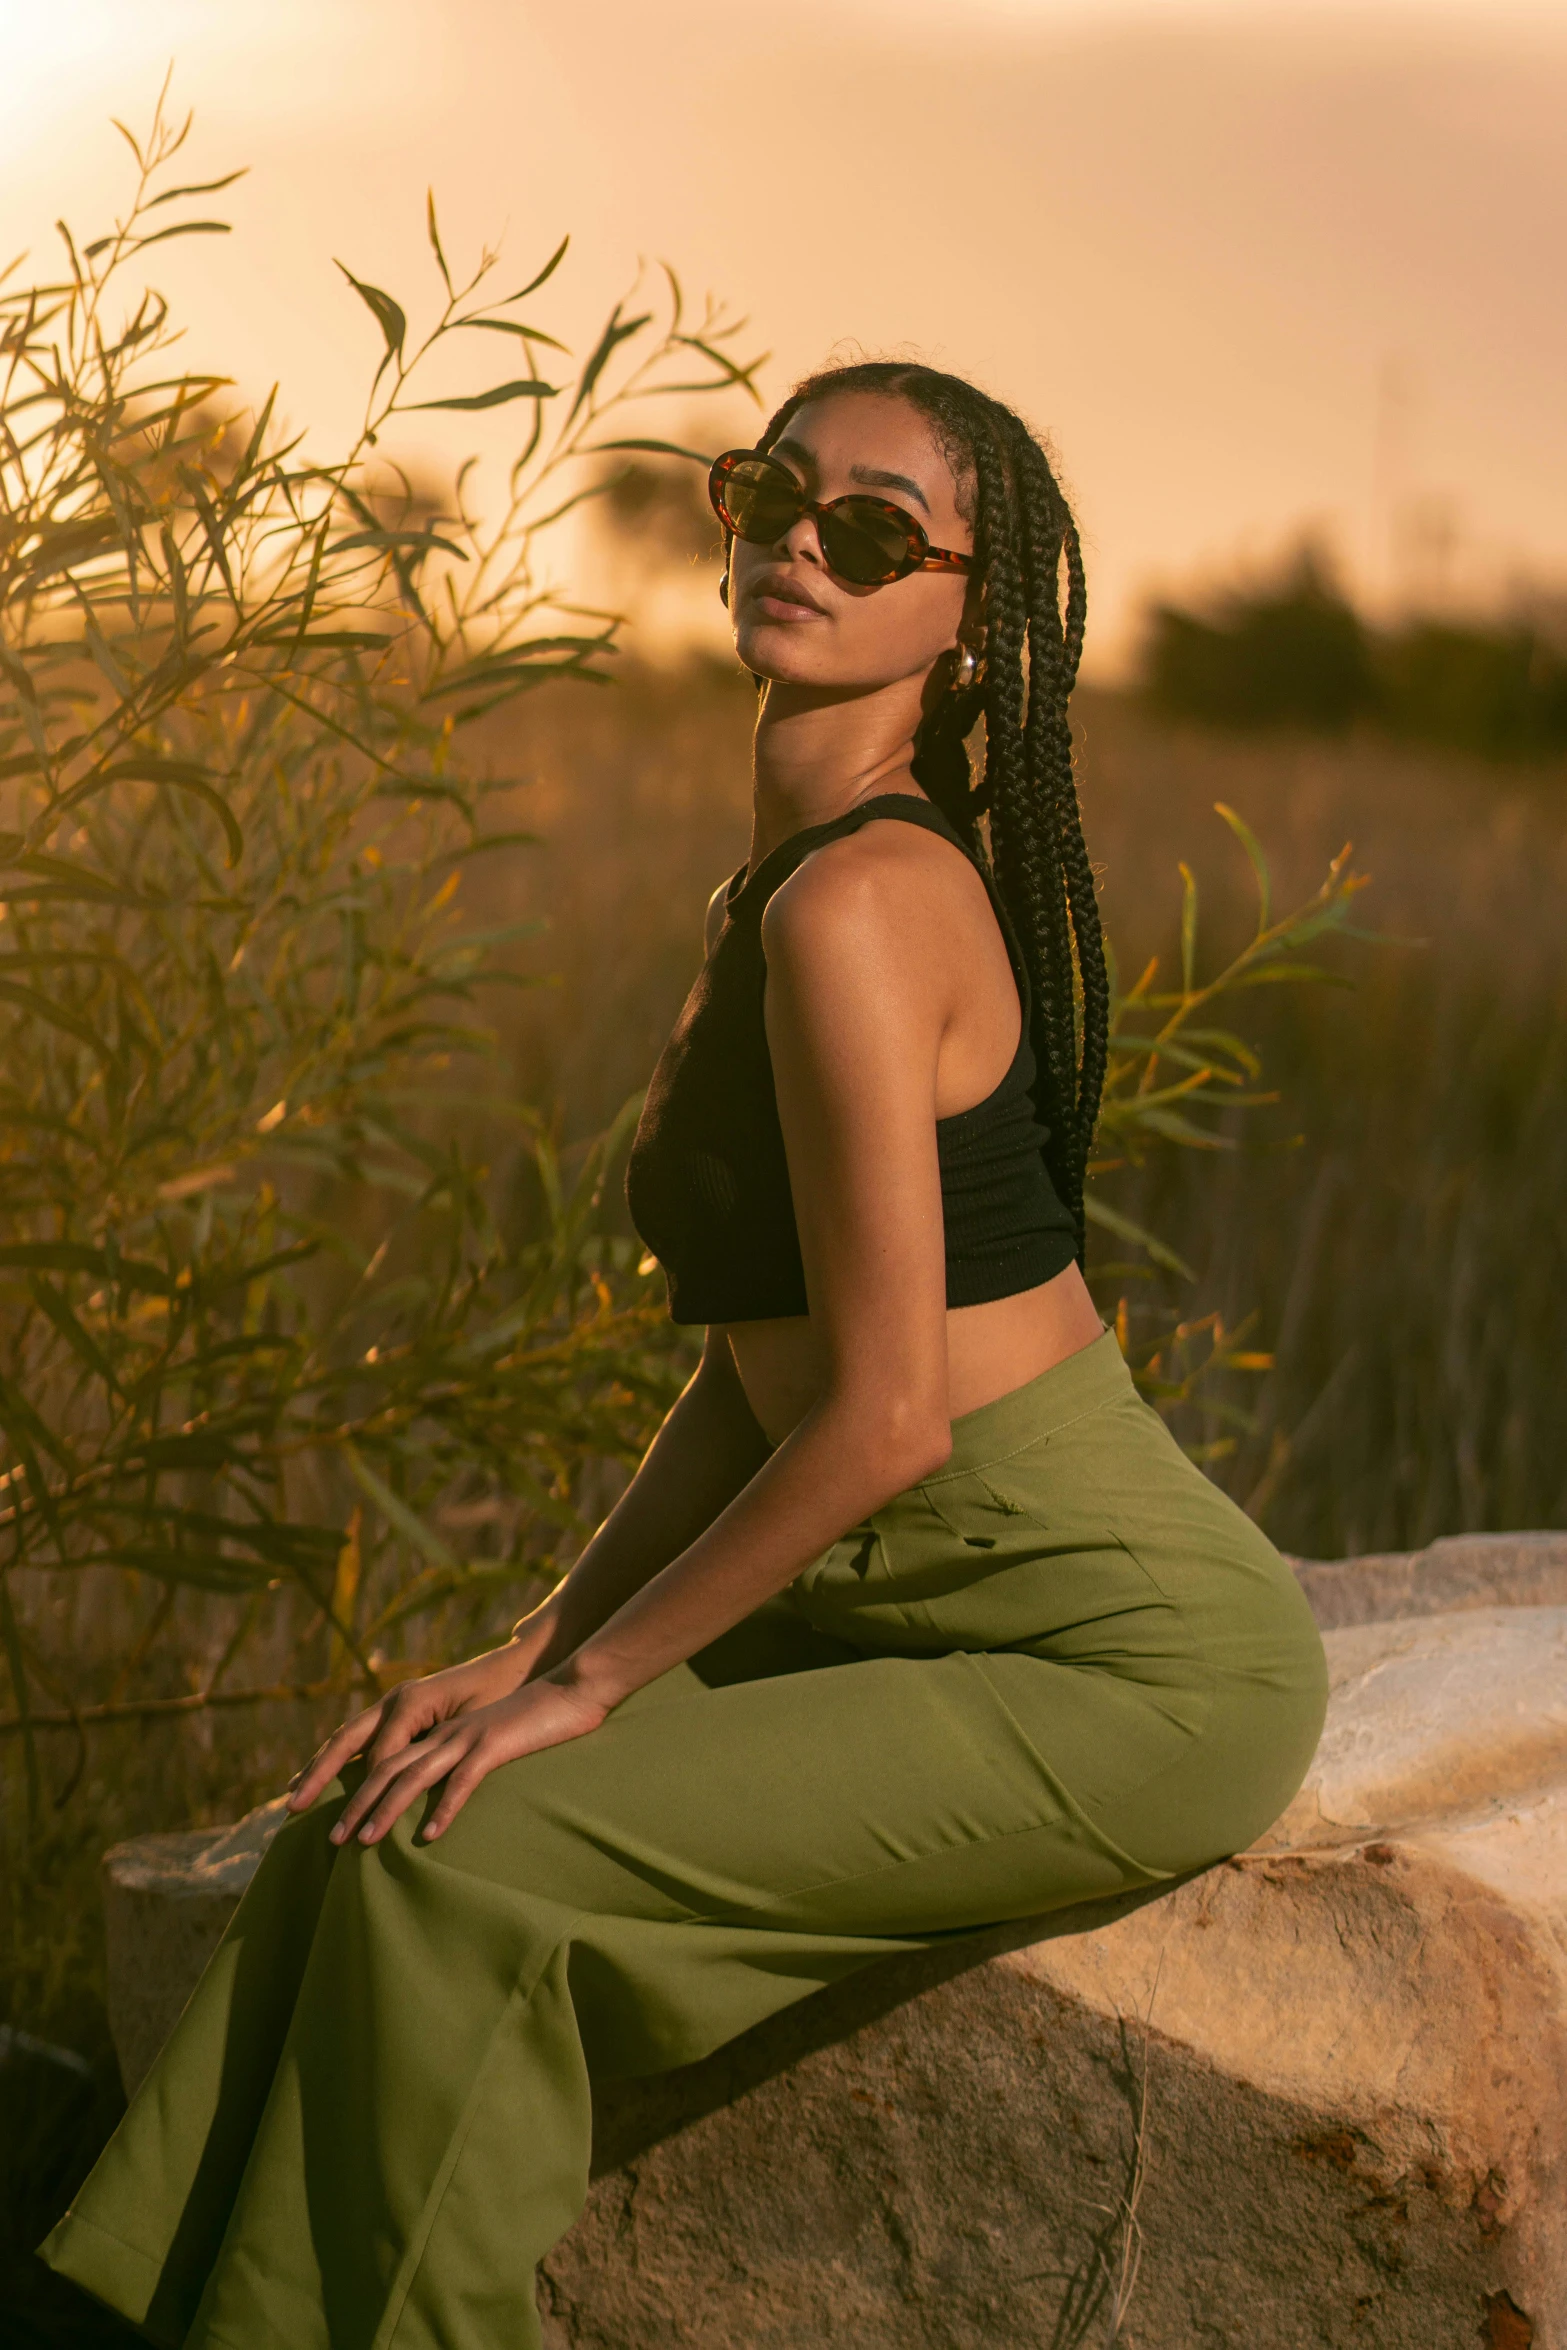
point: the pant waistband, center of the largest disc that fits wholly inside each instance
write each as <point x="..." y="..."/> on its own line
<point x="1095" y="1375"/>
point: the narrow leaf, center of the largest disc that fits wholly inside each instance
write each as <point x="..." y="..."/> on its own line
<point x="388" y="315"/>
<point x="617" y="331"/>
<point x="338" y="640"/>
<point x="1175" y="1127"/>
<point x="548" y="271"/>
<point x="513" y="326"/>
<point x="1188" y="926"/>
<point x="435" y="238"/>
<point x="527" y="388"/>
<point x="397" y="1513"/>
<point x="81" y="1342"/>
<point x="199" y="188"/>
<point x="215" y="539"/>
<point x="27" y="1431"/>
<point x="42" y="1007"/>
<point x="183" y="776"/>
<point x="186" y="228"/>
<point x="200" y="1570"/>
<point x="389" y="539"/>
<point x="652" y="448"/>
<point x="728" y="368"/>
<point x="1111" y="1220"/>
<point x="1259" y="863"/>
<point x="1265" y="973"/>
<point x="68" y="1256"/>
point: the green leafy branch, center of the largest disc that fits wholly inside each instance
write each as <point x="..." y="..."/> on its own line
<point x="1173" y="1074"/>
<point x="286" y="1279"/>
<point x="1174" y="1079"/>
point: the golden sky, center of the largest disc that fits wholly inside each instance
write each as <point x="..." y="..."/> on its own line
<point x="1250" y="266"/>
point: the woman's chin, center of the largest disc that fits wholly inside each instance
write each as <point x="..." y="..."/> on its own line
<point x="770" y="653"/>
<point x="775" y="652"/>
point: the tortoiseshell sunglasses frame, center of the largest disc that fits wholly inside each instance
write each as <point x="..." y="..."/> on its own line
<point x="921" y="555"/>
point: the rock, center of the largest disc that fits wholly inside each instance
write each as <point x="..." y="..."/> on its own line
<point x="1461" y="1571"/>
<point x="1432" y="1717"/>
<point x="166" y="1901"/>
<point x="1315" y="2096"/>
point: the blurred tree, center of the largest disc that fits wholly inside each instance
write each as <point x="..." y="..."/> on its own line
<point x="663" y="514"/>
<point x="1289" y="652"/>
<point x="1293" y="651"/>
<point x="1498" y="691"/>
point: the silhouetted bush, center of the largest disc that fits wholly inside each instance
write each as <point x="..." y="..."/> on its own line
<point x="1501" y="691"/>
<point x="1294" y="652"/>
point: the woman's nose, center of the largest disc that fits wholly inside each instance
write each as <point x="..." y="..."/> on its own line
<point x="801" y="542"/>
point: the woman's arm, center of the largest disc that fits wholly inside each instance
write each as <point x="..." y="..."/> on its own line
<point x="707" y="1448"/>
<point x="856" y="1011"/>
<point x="855" y="1015"/>
<point x="704" y="1454"/>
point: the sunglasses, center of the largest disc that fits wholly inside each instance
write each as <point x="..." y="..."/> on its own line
<point x="866" y="541"/>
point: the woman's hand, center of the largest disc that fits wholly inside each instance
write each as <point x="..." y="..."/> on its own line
<point x="462" y="1750"/>
<point x="405" y="1713"/>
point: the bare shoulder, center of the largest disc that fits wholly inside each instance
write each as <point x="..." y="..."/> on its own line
<point x="889" y="888"/>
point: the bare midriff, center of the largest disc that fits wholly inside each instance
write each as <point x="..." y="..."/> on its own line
<point x="991" y="1349"/>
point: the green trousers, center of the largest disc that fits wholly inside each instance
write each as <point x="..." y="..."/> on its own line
<point x="1064" y="1666"/>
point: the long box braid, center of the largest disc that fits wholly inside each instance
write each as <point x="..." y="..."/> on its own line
<point x="1025" y="541"/>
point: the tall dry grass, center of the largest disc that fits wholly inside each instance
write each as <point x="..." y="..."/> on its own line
<point x="1396" y="1221"/>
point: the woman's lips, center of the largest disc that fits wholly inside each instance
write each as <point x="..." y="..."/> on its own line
<point x="785" y="608"/>
<point x="779" y="599"/>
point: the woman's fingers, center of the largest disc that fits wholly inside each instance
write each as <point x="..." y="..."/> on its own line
<point x="406" y="1715"/>
<point x="387" y="1792"/>
<point x="371" y="1787"/>
<point x="462" y="1749"/>
<point x="534" y="1718"/>
<point x="329" y="1759"/>
<point x="381" y="1732"/>
<point x="475" y="1766"/>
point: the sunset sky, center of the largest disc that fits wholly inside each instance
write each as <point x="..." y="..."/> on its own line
<point x="1252" y="268"/>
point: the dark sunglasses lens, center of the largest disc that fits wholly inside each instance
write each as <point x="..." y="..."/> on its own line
<point x="761" y="501"/>
<point x="866" y="544"/>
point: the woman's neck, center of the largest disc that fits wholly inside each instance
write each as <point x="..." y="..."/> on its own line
<point x="818" y="753"/>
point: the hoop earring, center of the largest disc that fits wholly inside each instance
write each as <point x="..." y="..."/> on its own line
<point x="723" y="590"/>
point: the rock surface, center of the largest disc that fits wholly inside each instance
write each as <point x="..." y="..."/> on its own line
<point x="1316" y="2096"/>
<point x="166" y="1901"/>
<point x="1461" y="1571"/>
<point x="1352" y="2043"/>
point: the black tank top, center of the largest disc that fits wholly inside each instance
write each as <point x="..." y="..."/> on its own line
<point x="708" y="1182"/>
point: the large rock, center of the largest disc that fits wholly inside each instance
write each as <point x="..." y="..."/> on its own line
<point x="1316" y="2096"/>
<point x="1461" y="1571"/>
<point x="166" y="1901"/>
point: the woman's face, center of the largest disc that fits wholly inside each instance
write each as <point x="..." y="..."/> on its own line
<point x="794" y="619"/>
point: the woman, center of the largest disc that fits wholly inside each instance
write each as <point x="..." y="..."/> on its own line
<point x="913" y="1618"/>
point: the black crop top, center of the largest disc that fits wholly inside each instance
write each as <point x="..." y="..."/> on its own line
<point x="708" y="1182"/>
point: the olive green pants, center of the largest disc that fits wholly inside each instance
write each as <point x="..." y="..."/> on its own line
<point x="1063" y="1666"/>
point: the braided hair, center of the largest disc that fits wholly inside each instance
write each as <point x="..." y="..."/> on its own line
<point x="1024" y="541"/>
